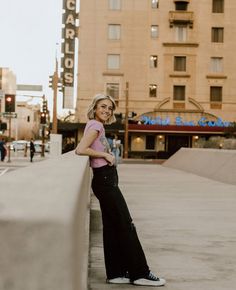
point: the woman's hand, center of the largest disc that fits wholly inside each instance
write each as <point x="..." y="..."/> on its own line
<point x="110" y="158"/>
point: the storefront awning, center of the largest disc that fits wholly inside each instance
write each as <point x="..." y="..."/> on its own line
<point x="177" y="129"/>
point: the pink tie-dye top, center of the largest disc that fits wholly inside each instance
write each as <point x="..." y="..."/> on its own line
<point x="99" y="144"/>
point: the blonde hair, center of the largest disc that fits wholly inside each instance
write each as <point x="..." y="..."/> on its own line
<point x="97" y="98"/>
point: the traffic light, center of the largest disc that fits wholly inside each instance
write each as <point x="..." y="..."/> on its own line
<point x="60" y="87"/>
<point x="43" y="118"/>
<point x="45" y="106"/>
<point x="51" y="81"/>
<point x="132" y="114"/>
<point x="9" y="103"/>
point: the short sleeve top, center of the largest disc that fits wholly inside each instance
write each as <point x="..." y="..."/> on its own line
<point x="100" y="143"/>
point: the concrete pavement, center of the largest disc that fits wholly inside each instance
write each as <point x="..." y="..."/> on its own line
<point x="17" y="159"/>
<point x="186" y="224"/>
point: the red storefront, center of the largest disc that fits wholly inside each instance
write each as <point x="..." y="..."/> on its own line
<point x="161" y="141"/>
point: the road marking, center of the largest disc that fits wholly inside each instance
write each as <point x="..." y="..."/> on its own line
<point x="3" y="170"/>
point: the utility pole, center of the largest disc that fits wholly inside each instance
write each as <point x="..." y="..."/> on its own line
<point x="43" y="127"/>
<point x="9" y="138"/>
<point x="126" y="120"/>
<point x="54" y="86"/>
<point x="43" y="141"/>
<point x="9" y="113"/>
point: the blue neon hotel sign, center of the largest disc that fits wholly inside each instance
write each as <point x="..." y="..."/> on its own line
<point x="203" y="122"/>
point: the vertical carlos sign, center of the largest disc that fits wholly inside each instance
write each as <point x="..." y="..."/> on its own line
<point x="69" y="34"/>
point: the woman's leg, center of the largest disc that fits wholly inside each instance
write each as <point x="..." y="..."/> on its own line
<point x="122" y="248"/>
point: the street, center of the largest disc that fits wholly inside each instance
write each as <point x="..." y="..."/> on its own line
<point x="18" y="160"/>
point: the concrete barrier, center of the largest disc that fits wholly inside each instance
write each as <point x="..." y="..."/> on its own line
<point x="44" y="225"/>
<point x="217" y="164"/>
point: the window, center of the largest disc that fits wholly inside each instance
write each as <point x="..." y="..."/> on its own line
<point x="150" y="142"/>
<point x="179" y="93"/>
<point x="115" y="4"/>
<point x="216" y="94"/>
<point x="180" y="63"/>
<point x="113" y="61"/>
<point x="218" y="6"/>
<point x="155" y="4"/>
<point x="154" y="31"/>
<point x="181" y="5"/>
<point x="114" y="31"/>
<point x="153" y="61"/>
<point x="113" y="89"/>
<point x="217" y="34"/>
<point x="216" y="64"/>
<point x="152" y="91"/>
<point x="180" y="33"/>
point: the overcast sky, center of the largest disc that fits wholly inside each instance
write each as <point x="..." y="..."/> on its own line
<point x="30" y="35"/>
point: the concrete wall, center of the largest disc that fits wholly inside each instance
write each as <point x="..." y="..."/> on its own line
<point x="44" y="225"/>
<point x="211" y="163"/>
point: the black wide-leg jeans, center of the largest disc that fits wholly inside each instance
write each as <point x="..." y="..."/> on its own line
<point x="122" y="250"/>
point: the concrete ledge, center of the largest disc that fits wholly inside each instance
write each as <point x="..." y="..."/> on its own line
<point x="216" y="164"/>
<point x="44" y="225"/>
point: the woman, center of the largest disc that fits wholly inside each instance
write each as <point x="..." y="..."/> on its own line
<point x="116" y="149"/>
<point x="124" y="257"/>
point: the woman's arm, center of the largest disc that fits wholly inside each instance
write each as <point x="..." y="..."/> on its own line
<point x="84" y="149"/>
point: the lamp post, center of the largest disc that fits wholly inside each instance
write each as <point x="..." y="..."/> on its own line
<point x="53" y="83"/>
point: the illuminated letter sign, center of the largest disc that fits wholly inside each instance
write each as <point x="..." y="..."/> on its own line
<point x="203" y="122"/>
<point x="68" y="50"/>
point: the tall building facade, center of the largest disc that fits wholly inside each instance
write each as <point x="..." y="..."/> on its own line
<point x="178" y="59"/>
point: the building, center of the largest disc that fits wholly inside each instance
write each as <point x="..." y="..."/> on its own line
<point x="7" y="89"/>
<point x="178" y="59"/>
<point x="27" y="123"/>
<point x="7" y="85"/>
<point x="25" y="117"/>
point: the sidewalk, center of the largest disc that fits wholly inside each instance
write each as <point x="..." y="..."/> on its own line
<point x="17" y="159"/>
<point x="186" y="224"/>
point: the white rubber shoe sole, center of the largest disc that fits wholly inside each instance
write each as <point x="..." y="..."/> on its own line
<point x="119" y="280"/>
<point x="147" y="282"/>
